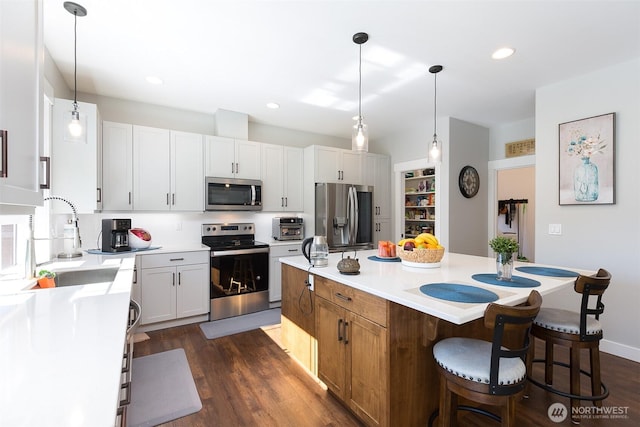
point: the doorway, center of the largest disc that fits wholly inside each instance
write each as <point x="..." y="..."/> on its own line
<point x="513" y="178"/>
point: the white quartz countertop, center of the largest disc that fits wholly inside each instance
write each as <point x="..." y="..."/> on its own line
<point x="61" y="348"/>
<point x="396" y="282"/>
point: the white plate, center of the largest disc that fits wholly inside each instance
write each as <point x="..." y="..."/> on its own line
<point x="421" y="264"/>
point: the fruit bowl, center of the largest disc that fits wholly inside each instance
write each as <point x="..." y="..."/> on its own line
<point x="139" y="238"/>
<point x="420" y="256"/>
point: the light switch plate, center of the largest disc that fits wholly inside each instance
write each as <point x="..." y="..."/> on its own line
<point x="555" y="229"/>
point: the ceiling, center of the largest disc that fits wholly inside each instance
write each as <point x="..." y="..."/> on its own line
<point x="239" y="55"/>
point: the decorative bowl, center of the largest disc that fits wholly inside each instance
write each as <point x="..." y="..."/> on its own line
<point x="420" y="255"/>
<point x="137" y="238"/>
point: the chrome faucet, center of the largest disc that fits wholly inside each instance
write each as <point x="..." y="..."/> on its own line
<point x="77" y="241"/>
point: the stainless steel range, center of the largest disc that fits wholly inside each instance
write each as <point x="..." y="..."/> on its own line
<point x="239" y="281"/>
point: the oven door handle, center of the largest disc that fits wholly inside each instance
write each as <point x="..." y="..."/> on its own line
<point x="239" y="252"/>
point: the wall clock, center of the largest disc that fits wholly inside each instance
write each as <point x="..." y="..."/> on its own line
<point x="469" y="181"/>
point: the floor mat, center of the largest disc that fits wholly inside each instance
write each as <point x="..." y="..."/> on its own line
<point x="162" y="389"/>
<point x="237" y="324"/>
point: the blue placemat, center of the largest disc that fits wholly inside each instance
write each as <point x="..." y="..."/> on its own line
<point x="100" y="252"/>
<point x="516" y="281"/>
<point x="377" y="258"/>
<point x="547" y="271"/>
<point x="458" y="293"/>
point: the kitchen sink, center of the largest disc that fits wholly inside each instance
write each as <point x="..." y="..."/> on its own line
<point x="85" y="277"/>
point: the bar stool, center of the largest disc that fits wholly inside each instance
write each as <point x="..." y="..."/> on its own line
<point x="575" y="331"/>
<point x="486" y="372"/>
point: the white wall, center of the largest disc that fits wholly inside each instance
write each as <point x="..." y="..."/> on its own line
<point x="595" y="236"/>
<point x="509" y="132"/>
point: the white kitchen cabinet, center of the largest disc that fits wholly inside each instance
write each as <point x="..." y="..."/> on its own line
<point x="336" y="165"/>
<point x="74" y="160"/>
<point x="382" y="229"/>
<point x="187" y="171"/>
<point x="282" y="179"/>
<point x="232" y="158"/>
<point x="151" y="169"/>
<point x="117" y="166"/>
<point x="173" y="285"/>
<point x="21" y="101"/>
<point x="275" y="269"/>
<point x="377" y="172"/>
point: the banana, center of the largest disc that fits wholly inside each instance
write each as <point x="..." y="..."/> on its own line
<point x="428" y="238"/>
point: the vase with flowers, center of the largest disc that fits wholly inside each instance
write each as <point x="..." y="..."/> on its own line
<point x="585" y="175"/>
<point x="505" y="248"/>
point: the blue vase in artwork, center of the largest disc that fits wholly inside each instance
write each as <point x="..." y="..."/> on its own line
<point x="585" y="181"/>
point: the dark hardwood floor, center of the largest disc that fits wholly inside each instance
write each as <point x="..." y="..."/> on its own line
<point x="248" y="380"/>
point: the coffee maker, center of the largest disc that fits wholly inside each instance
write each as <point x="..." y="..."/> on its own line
<point x="115" y="235"/>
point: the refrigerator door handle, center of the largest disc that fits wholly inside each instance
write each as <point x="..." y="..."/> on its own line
<point x="356" y="215"/>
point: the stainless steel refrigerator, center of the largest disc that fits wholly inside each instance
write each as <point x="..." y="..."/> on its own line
<point x="344" y="214"/>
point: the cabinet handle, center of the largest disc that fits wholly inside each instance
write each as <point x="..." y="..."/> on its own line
<point x="236" y="168"/>
<point x="286" y="202"/>
<point x="292" y="250"/>
<point x="339" y="329"/>
<point x="179" y="278"/>
<point x="173" y="279"/>
<point x="167" y="199"/>
<point x="47" y="172"/>
<point x="5" y="161"/>
<point x="343" y="297"/>
<point x="129" y="197"/>
<point x="99" y="195"/>
<point x="282" y="202"/>
<point x="173" y="199"/>
<point x="126" y="386"/>
<point x="346" y="337"/>
<point x="135" y="275"/>
<point x="176" y="259"/>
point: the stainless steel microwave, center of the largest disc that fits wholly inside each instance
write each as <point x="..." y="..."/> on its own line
<point x="230" y="194"/>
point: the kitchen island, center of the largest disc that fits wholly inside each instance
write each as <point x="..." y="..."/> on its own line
<point x="61" y="348"/>
<point x="375" y="331"/>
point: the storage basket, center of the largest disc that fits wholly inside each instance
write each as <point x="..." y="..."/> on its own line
<point x="427" y="256"/>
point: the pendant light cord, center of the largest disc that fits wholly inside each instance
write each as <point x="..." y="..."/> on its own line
<point x="435" y="105"/>
<point x="360" y="87"/>
<point x="75" y="60"/>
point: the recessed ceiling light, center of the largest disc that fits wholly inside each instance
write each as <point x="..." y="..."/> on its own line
<point x="503" y="52"/>
<point x="154" y="80"/>
<point x="273" y="105"/>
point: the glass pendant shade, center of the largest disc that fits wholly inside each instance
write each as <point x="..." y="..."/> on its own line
<point x="75" y="127"/>
<point x="434" y="153"/>
<point x="360" y="137"/>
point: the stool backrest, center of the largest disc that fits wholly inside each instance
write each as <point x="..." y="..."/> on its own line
<point x="517" y="321"/>
<point x="591" y="286"/>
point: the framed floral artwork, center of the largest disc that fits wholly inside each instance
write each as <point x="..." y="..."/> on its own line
<point x="587" y="161"/>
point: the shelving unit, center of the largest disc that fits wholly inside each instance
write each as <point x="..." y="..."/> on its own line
<point x="419" y="202"/>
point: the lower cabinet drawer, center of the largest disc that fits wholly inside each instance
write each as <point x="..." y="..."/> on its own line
<point x="174" y="258"/>
<point x="362" y="303"/>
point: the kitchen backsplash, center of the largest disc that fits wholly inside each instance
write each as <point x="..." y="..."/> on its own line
<point x="169" y="229"/>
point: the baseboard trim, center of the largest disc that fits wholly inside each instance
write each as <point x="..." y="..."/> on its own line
<point x="620" y="350"/>
<point x="173" y="323"/>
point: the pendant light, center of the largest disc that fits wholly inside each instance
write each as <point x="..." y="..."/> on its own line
<point x="360" y="134"/>
<point x="435" y="150"/>
<point x="75" y="127"/>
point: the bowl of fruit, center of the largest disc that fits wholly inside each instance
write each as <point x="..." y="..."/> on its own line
<point x="423" y="251"/>
<point x="139" y="238"/>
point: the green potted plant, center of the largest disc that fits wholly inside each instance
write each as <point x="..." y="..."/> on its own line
<point x="46" y="279"/>
<point x="504" y="247"/>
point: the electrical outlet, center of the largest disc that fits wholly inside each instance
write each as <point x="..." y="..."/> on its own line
<point x="310" y="281"/>
<point x="179" y="226"/>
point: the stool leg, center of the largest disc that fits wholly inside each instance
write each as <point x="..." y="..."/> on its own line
<point x="548" y="362"/>
<point x="574" y="355"/>
<point x="509" y="412"/>
<point x="448" y="405"/>
<point x="596" y="382"/>
<point x="530" y="356"/>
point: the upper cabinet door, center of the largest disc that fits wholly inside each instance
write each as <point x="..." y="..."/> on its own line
<point x="187" y="178"/>
<point x="21" y="101"/>
<point x="151" y="168"/>
<point x="117" y="166"/>
<point x="247" y="159"/>
<point x="220" y="156"/>
<point x="293" y="179"/>
<point x="272" y="178"/>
